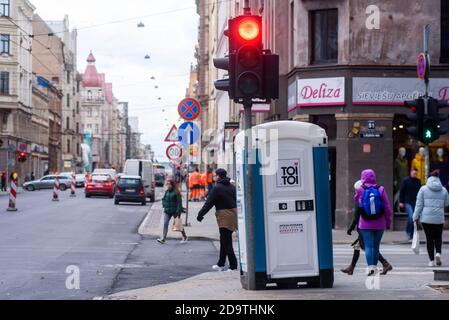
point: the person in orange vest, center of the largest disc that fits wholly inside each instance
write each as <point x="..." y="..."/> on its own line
<point x="195" y="182"/>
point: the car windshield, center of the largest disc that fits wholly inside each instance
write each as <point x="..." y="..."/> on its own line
<point x="129" y="182"/>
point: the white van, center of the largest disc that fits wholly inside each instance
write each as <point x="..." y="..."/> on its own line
<point x="143" y="169"/>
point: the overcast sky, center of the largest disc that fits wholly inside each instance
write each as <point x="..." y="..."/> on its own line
<point x="169" y="37"/>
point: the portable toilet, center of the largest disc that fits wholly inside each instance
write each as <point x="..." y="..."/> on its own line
<point x="291" y="205"/>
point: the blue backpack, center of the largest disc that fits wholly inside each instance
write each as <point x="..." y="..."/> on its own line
<point x="372" y="206"/>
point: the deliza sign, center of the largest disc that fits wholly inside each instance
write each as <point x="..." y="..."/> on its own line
<point x="288" y="174"/>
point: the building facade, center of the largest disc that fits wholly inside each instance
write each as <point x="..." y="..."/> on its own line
<point x="17" y="130"/>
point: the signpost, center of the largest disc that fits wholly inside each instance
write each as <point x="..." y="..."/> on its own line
<point x="189" y="109"/>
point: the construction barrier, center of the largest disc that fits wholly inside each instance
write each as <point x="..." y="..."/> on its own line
<point x="56" y="190"/>
<point x="13" y="195"/>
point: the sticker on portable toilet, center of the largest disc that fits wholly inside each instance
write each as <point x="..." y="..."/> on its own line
<point x="291" y="228"/>
<point x="288" y="174"/>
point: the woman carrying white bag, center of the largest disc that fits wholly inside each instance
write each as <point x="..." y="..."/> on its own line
<point x="430" y="204"/>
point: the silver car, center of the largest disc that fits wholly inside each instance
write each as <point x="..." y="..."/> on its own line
<point x="47" y="182"/>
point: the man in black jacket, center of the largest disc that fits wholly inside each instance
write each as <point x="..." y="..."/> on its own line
<point x="224" y="197"/>
<point x="407" y="199"/>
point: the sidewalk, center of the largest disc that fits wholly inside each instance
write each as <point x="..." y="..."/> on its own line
<point x="208" y="230"/>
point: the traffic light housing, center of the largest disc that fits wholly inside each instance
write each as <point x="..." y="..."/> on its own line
<point x="417" y="118"/>
<point x="23" y="157"/>
<point x="427" y="126"/>
<point x="253" y="72"/>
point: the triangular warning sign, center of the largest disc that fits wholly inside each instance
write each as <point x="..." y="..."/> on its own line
<point x="172" y="135"/>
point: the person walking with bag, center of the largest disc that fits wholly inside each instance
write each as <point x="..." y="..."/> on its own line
<point x="172" y="204"/>
<point x="407" y="199"/>
<point x="224" y="197"/>
<point x="359" y="245"/>
<point x="430" y="204"/>
<point x="375" y="217"/>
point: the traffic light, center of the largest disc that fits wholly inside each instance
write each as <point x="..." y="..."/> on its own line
<point x="22" y="157"/>
<point x="433" y="126"/>
<point x="427" y="123"/>
<point x="417" y="118"/>
<point x="253" y="72"/>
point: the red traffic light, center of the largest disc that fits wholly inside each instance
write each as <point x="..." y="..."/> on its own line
<point x="249" y="29"/>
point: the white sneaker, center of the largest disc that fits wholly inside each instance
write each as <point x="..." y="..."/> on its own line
<point x="431" y="264"/>
<point x="161" y="241"/>
<point x="230" y="270"/>
<point x="438" y="260"/>
<point x="218" y="268"/>
<point x="184" y="241"/>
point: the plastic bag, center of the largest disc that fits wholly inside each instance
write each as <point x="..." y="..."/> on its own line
<point x="177" y="225"/>
<point x="415" y="241"/>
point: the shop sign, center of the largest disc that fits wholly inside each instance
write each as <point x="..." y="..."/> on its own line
<point x="394" y="91"/>
<point x="319" y="92"/>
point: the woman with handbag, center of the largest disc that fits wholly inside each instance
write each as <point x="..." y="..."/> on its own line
<point x="430" y="204"/>
<point x="172" y="204"/>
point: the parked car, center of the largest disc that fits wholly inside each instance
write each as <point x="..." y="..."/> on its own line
<point x="47" y="182"/>
<point x="100" y="185"/>
<point x="130" y="189"/>
<point x="144" y="170"/>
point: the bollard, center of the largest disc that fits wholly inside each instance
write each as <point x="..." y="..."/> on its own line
<point x="13" y="195"/>
<point x="73" y="187"/>
<point x="56" y="189"/>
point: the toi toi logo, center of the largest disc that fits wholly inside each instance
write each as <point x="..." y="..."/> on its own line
<point x="73" y="280"/>
<point x="373" y="20"/>
<point x="373" y="282"/>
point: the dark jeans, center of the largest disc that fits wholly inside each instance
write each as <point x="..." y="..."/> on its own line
<point x="227" y="249"/>
<point x="434" y="236"/>
<point x="410" y="224"/>
<point x="372" y="240"/>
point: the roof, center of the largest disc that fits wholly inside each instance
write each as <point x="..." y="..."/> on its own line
<point x="91" y="78"/>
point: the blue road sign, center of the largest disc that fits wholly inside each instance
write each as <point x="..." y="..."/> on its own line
<point x="188" y="133"/>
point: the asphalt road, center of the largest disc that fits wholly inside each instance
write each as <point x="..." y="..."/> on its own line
<point x="45" y="244"/>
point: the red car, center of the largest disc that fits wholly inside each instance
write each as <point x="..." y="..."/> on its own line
<point x="100" y="185"/>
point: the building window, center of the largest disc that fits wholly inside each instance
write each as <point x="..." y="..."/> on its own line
<point x="89" y="128"/>
<point x="324" y="36"/>
<point x="89" y="112"/>
<point x="89" y="95"/>
<point x="68" y="146"/>
<point x="68" y="123"/>
<point x="68" y="100"/>
<point x="77" y="127"/>
<point x="4" y="8"/>
<point x="68" y="76"/>
<point x="4" y="38"/>
<point x="445" y="31"/>
<point x="77" y="107"/>
<point x="4" y="82"/>
<point x="97" y="129"/>
<point x="77" y="148"/>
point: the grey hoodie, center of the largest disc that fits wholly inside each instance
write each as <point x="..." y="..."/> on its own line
<point x="431" y="201"/>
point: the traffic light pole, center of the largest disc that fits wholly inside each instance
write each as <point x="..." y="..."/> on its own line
<point x="251" y="274"/>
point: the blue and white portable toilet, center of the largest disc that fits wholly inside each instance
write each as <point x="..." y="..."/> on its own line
<point x="292" y="211"/>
